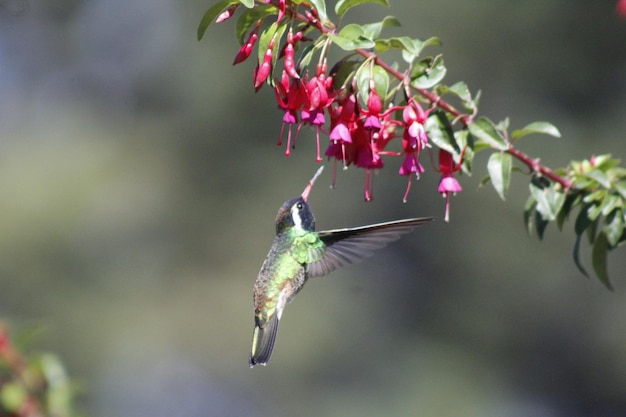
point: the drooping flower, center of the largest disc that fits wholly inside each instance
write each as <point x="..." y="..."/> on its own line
<point x="343" y="116"/>
<point x="317" y="98"/>
<point x="289" y="62"/>
<point x="290" y="98"/>
<point x="248" y="45"/>
<point x="264" y="68"/>
<point x="414" y="140"/>
<point x="448" y="185"/>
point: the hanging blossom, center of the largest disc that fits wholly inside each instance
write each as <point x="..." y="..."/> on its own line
<point x="290" y="95"/>
<point x="368" y="156"/>
<point x="414" y="140"/>
<point x="359" y="135"/>
<point x="343" y="117"/>
<point x="448" y="185"/>
<point x="318" y="96"/>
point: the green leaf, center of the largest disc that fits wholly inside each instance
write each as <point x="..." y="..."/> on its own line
<point x="549" y="200"/>
<point x="248" y="18"/>
<point x="529" y="209"/>
<point x="428" y="72"/>
<point x="610" y="202"/>
<point x="211" y="14"/>
<point x="484" y="130"/>
<point x="351" y="37"/>
<point x="440" y="132"/>
<point x="372" y="30"/>
<point x="411" y="48"/>
<point x="620" y="187"/>
<point x="546" y="128"/>
<point x="381" y="81"/>
<point x="598" y="176"/>
<point x="570" y="201"/>
<point x="345" y="71"/>
<point x="594" y="211"/>
<point x="265" y="38"/>
<point x="320" y="6"/>
<point x="576" y="254"/>
<point x="541" y="224"/>
<point x="465" y="141"/>
<point x="599" y="253"/>
<point x="461" y="90"/>
<point x="614" y="228"/>
<point x="343" y="6"/>
<point x="500" y="165"/>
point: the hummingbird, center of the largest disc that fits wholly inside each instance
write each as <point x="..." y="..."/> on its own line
<point x="299" y="253"/>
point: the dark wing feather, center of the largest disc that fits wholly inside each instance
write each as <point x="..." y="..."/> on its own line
<point x="347" y="246"/>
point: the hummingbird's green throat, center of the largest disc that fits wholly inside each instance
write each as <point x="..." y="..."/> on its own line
<point x="299" y="253"/>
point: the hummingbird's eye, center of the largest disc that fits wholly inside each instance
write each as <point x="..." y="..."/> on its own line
<point x="299" y="206"/>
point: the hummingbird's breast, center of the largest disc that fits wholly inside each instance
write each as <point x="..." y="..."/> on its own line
<point x="279" y="280"/>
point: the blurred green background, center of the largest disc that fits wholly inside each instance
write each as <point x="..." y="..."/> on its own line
<point x="139" y="182"/>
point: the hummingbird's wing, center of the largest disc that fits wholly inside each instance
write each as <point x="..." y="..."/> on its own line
<point x="347" y="246"/>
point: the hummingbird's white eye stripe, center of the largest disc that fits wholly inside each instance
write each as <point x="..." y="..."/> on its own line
<point x="295" y="215"/>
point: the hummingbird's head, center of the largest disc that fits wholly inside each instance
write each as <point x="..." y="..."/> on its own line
<point x="297" y="214"/>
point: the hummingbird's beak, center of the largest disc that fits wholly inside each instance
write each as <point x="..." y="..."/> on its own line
<point x="307" y="190"/>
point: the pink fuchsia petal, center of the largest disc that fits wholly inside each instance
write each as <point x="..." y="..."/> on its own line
<point x="409" y="115"/>
<point x="449" y="185"/>
<point x="290" y="117"/>
<point x="372" y="123"/>
<point x="341" y="133"/>
<point x="411" y="165"/>
<point x="314" y="117"/>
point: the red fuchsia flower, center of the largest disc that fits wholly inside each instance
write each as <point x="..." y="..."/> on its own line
<point x="342" y="119"/>
<point x="248" y="45"/>
<point x="264" y="68"/>
<point x="448" y="184"/>
<point x="372" y="113"/>
<point x="318" y="96"/>
<point x="414" y="140"/>
<point x="290" y="96"/>
<point x="359" y="136"/>
<point x="289" y="62"/>
<point x="376" y="128"/>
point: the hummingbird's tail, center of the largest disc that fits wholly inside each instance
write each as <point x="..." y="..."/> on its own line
<point x="263" y="341"/>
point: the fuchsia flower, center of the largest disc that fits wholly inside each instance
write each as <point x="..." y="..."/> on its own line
<point x="290" y="98"/>
<point x="289" y="62"/>
<point x="317" y="98"/>
<point x="246" y="48"/>
<point x="264" y="68"/>
<point x="448" y="184"/>
<point x="358" y="136"/>
<point x="414" y="140"/>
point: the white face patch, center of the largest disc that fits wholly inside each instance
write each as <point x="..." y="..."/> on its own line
<point x="295" y="215"/>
